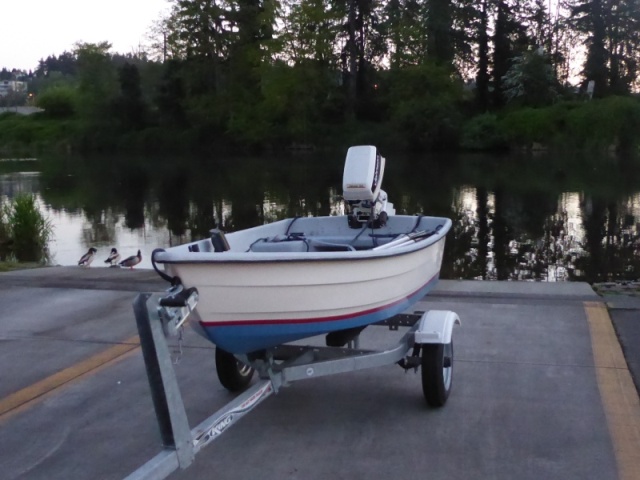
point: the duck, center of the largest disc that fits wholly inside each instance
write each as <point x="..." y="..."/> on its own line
<point x="113" y="258"/>
<point x="132" y="261"/>
<point x="88" y="257"/>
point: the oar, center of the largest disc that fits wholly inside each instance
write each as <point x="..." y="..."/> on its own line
<point x="405" y="238"/>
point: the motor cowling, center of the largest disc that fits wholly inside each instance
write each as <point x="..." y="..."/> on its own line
<point x="366" y="202"/>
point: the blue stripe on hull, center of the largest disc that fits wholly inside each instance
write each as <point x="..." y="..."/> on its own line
<point x="249" y="338"/>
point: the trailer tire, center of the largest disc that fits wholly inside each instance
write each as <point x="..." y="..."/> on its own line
<point x="234" y="375"/>
<point x="437" y="372"/>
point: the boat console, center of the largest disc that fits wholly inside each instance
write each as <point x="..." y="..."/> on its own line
<point x="366" y="202"/>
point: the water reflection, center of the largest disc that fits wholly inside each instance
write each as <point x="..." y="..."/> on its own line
<point x="528" y="218"/>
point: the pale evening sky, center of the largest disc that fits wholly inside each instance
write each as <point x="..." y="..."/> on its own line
<point x="30" y="31"/>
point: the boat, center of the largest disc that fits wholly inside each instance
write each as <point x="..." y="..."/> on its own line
<point x="306" y="276"/>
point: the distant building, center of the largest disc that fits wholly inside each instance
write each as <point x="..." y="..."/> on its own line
<point x="21" y="110"/>
<point x="12" y="86"/>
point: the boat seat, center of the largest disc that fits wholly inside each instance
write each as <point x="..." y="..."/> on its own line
<point x="265" y="245"/>
<point x="324" y="246"/>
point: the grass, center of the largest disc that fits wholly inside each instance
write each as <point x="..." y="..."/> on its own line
<point x="10" y="266"/>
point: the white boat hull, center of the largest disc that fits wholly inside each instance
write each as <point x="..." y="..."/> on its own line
<point x="251" y="301"/>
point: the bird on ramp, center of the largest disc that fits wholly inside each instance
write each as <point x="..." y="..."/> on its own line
<point x="88" y="257"/>
<point x="132" y="261"/>
<point x="114" y="258"/>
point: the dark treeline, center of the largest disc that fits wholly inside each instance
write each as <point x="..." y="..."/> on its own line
<point x="403" y="74"/>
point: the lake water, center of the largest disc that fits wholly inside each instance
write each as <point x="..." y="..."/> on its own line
<point x="515" y="217"/>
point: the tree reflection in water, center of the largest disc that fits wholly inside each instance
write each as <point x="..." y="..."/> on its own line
<point x="514" y="218"/>
<point x="517" y="233"/>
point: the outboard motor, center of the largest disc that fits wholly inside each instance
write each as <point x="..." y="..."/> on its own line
<point x="367" y="203"/>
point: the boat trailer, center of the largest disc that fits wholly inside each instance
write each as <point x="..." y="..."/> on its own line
<point x="427" y="344"/>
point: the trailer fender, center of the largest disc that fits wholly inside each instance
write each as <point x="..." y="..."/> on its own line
<point x="436" y="326"/>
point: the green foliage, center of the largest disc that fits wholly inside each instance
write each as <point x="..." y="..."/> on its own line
<point x="58" y="102"/>
<point x="584" y="126"/>
<point x="612" y="121"/>
<point x="311" y="30"/>
<point x="268" y="73"/>
<point x="25" y="230"/>
<point x="297" y="101"/>
<point x="424" y="103"/>
<point x="4" y="234"/>
<point x="483" y="132"/>
<point x="97" y="81"/>
<point x="170" y="95"/>
<point x="526" y="126"/>
<point x="530" y="80"/>
<point x="32" y="134"/>
<point x="41" y="84"/>
<point x="129" y="107"/>
<point x="63" y="64"/>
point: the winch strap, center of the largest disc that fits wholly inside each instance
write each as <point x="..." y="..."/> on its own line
<point x="291" y="224"/>
<point x="172" y="280"/>
<point x="415" y="227"/>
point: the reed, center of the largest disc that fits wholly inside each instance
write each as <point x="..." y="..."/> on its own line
<point x="24" y="231"/>
<point x="4" y="234"/>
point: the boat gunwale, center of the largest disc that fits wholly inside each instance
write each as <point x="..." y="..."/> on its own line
<point x="304" y="257"/>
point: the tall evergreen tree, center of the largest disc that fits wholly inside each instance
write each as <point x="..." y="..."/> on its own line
<point x="405" y="27"/>
<point x="510" y="39"/>
<point x="97" y="79"/>
<point x="362" y="47"/>
<point x="482" y="77"/>
<point x="611" y="31"/>
<point x="587" y="17"/>
<point x="439" y="32"/>
<point x="129" y="105"/>
<point x="502" y="51"/>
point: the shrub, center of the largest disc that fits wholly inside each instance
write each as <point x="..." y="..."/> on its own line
<point x="528" y="125"/>
<point x="483" y="132"/>
<point x="26" y="229"/>
<point x="58" y="102"/>
<point x="606" y="122"/>
<point x="4" y="235"/>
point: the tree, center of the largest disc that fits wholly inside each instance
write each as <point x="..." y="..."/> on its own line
<point x="511" y="37"/>
<point x="64" y="64"/>
<point x="609" y="28"/>
<point x="482" y="77"/>
<point x="439" y="33"/>
<point x="530" y="80"/>
<point x="308" y="33"/>
<point x="97" y="80"/>
<point x="623" y="45"/>
<point x="129" y="106"/>
<point x="405" y="37"/>
<point x="425" y="106"/>
<point x="171" y="94"/>
<point x="588" y="18"/>
<point x="362" y="49"/>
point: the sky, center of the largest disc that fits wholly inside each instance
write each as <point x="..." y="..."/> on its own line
<point x="33" y="30"/>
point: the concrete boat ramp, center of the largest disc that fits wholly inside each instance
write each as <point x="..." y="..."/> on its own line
<point x="542" y="390"/>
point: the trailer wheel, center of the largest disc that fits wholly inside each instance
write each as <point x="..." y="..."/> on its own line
<point x="437" y="372"/>
<point x="233" y="374"/>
